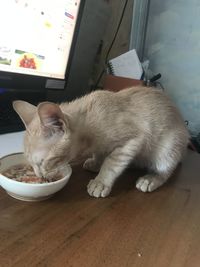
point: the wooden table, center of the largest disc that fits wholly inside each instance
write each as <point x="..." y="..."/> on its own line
<point x="128" y="228"/>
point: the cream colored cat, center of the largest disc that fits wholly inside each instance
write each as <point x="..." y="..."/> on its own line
<point x="110" y="130"/>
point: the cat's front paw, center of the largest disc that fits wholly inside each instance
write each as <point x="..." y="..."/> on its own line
<point x="96" y="188"/>
<point x="149" y="183"/>
<point x="91" y="165"/>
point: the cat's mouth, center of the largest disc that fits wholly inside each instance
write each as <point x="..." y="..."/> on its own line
<point x="61" y="170"/>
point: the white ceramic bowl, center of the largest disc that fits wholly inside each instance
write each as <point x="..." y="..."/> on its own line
<point x="27" y="191"/>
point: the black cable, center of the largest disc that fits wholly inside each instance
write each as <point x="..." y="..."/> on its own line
<point x="111" y="45"/>
<point x="160" y="84"/>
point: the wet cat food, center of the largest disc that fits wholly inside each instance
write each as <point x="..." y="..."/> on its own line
<point x="25" y="173"/>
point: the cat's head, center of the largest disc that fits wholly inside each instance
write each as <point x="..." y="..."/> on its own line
<point x="47" y="137"/>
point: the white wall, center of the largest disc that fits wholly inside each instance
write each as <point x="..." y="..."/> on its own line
<point x="173" y="47"/>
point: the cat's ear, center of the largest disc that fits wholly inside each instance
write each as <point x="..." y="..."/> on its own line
<point x="25" y="110"/>
<point x="52" y="118"/>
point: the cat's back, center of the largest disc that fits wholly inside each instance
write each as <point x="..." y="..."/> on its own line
<point x="140" y="99"/>
<point x="149" y="101"/>
<point x="109" y="99"/>
<point x="139" y="103"/>
<point x="137" y="95"/>
<point x="147" y="105"/>
<point x="144" y="95"/>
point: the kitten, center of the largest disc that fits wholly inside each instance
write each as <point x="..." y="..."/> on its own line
<point x="110" y="130"/>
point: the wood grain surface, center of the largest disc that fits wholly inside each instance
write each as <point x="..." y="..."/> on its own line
<point x="128" y="228"/>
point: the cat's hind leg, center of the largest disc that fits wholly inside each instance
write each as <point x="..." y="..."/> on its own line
<point x="150" y="182"/>
<point x="164" y="161"/>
